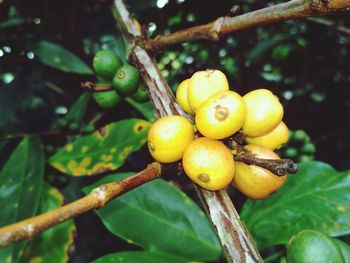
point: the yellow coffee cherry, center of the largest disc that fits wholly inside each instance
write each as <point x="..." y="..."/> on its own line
<point x="208" y="163"/>
<point x="221" y="115"/>
<point x="181" y="96"/>
<point x="203" y="84"/>
<point x="168" y="138"/>
<point x="256" y="182"/>
<point x="264" y="112"/>
<point x="272" y="140"/>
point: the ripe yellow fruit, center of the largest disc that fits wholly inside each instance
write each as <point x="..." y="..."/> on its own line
<point x="264" y="112"/>
<point x="168" y="138"/>
<point x="221" y="115"/>
<point x="181" y="96"/>
<point x="256" y="182"/>
<point x="272" y="140"/>
<point x="204" y="84"/>
<point x="208" y="163"/>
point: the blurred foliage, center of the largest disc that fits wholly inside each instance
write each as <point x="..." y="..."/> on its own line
<point x="46" y="50"/>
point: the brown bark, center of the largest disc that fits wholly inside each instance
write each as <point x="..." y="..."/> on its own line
<point x="223" y="26"/>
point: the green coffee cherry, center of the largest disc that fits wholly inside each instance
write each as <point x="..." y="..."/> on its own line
<point x="126" y="80"/>
<point x="305" y="158"/>
<point x="140" y="95"/>
<point x="106" y="63"/>
<point x="88" y="128"/>
<point x="291" y="152"/>
<point x="308" y="148"/>
<point x="107" y="99"/>
<point x="300" y="135"/>
<point x="62" y="122"/>
<point x="311" y="246"/>
<point x="73" y="126"/>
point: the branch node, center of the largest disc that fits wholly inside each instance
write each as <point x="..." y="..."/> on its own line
<point x="214" y="31"/>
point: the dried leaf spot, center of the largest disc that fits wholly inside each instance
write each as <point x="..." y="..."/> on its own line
<point x="69" y="147"/>
<point x="102" y="132"/>
<point x="141" y="125"/>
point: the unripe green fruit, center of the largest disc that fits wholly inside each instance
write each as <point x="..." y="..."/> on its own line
<point x="140" y="95"/>
<point x="126" y="80"/>
<point x="291" y="152"/>
<point x="300" y="135"/>
<point x="311" y="246"/>
<point x="106" y="63"/>
<point x="88" y="128"/>
<point x="305" y="158"/>
<point x="107" y="99"/>
<point x="308" y="148"/>
<point x="62" y="123"/>
<point x="73" y="126"/>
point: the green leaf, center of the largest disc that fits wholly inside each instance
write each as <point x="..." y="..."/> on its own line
<point x="344" y="249"/>
<point x="13" y="21"/>
<point x="146" y="109"/>
<point x="20" y="187"/>
<point x="56" y="56"/>
<point x="78" y="109"/>
<point x="140" y="256"/>
<point x="317" y="197"/>
<point x="53" y="244"/>
<point x="158" y="217"/>
<point x="103" y="150"/>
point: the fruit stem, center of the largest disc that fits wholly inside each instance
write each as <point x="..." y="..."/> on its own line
<point x="279" y="167"/>
<point x="89" y="86"/>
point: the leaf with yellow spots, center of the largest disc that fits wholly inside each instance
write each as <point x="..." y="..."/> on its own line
<point x="21" y="181"/>
<point x="53" y="244"/>
<point x="317" y="197"/>
<point x="104" y="150"/>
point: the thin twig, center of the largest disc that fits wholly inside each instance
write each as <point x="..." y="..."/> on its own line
<point x="330" y="23"/>
<point x="290" y="10"/>
<point x="97" y="198"/>
<point x="89" y="86"/>
<point x="56" y="89"/>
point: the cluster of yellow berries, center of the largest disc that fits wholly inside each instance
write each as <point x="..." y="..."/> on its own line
<point x="219" y="113"/>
